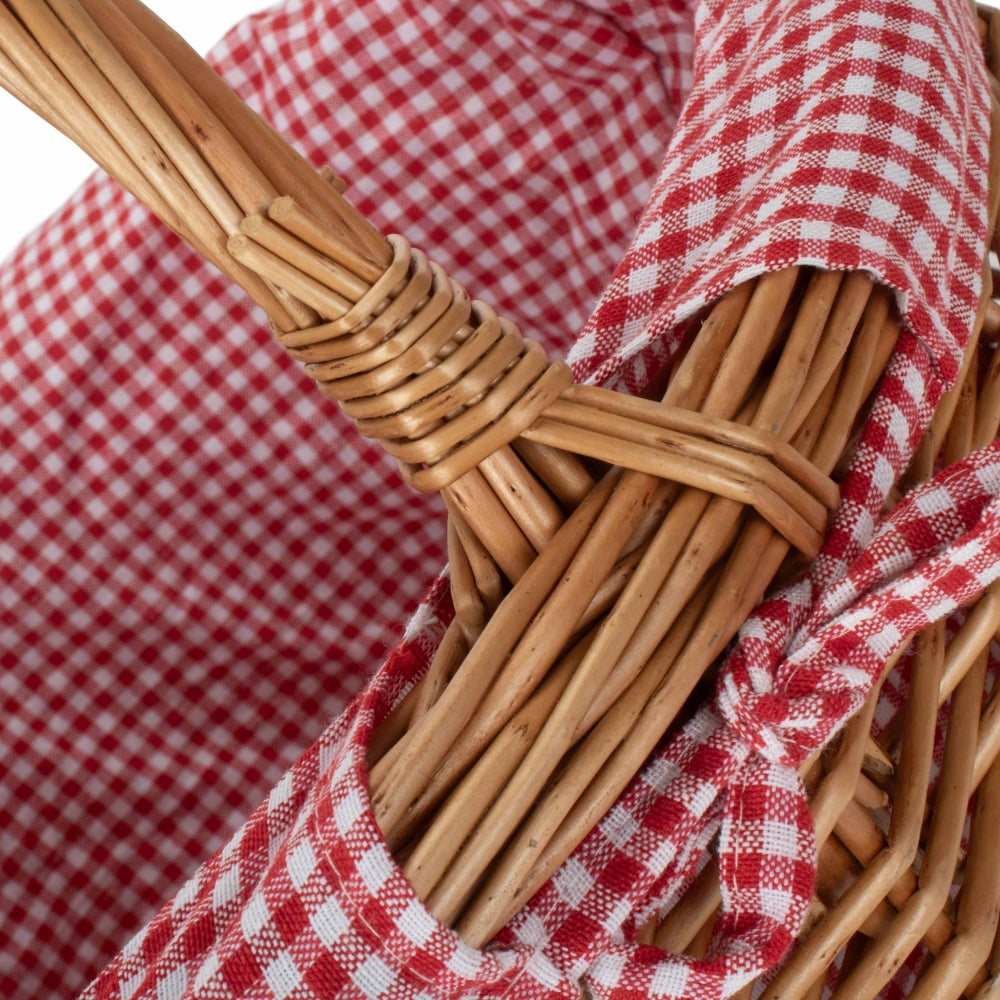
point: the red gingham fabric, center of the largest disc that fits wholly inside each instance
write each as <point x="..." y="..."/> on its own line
<point x="202" y="561"/>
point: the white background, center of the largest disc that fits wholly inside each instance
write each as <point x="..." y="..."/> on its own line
<point x="47" y="167"/>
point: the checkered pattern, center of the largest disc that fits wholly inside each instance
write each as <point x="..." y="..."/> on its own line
<point x="201" y="558"/>
<point x="306" y="902"/>
<point x="801" y="667"/>
<point x="810" y="138"/>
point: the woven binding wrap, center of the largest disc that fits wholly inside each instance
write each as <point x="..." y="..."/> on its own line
<point x="443" y="383"/>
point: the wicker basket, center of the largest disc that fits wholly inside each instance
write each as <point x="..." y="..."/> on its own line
<point x="598" y="542"/>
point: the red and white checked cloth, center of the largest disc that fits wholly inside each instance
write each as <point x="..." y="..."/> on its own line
<point x="201" y="562"/>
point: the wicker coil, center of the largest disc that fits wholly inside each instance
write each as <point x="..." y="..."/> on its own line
<point x="603" y="549"/>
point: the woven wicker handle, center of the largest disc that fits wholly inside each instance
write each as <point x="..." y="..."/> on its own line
<point x="440" y="380"/>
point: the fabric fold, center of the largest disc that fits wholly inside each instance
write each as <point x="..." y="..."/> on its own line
<point x="845" y="136"/>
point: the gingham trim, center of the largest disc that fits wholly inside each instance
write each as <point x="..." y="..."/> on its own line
<point x="848" y="136"/>
<point x="799" y="670"/>
<point x="306" y="901"/>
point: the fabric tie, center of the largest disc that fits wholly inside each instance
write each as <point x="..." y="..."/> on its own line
<point x="792" y="680"/>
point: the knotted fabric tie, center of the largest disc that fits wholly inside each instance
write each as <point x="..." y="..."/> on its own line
<point x="799" y="670"/>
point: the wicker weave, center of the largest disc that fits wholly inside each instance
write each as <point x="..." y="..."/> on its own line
<point x="568" y="504"/>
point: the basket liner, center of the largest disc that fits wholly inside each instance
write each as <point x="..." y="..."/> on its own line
<point x="666" y="277"/>
<point x="842" y="136"/>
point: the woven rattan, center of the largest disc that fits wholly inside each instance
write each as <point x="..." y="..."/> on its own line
<point x="603" y="549"/>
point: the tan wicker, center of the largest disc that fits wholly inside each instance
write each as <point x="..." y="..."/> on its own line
<point x="597" y="543"/>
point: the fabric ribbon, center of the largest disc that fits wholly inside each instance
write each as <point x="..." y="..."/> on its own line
<point x="773" y="162"/>
<point x="803" y="664"/>
<point x="772" y="709"/>
<point x="307" y="897"/>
